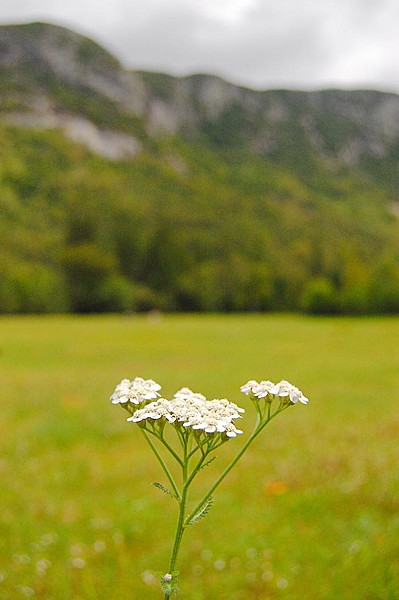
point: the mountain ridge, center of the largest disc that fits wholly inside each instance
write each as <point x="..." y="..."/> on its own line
<point x="216" y="196"/>
<point x="189" y="105"/>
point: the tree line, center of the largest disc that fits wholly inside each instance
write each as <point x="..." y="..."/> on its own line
<point x="79" y="234"/>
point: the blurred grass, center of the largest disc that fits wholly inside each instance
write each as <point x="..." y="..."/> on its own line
<point x="312" y="511"/>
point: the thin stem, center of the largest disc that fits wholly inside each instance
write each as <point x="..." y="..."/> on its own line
<point x="173" y="453"/>
<point x="179" y="531"/>
<point x="220" y="479"/>
<point x="258" y="428"/>
<point x="200" y="446"/>
<point x="162" y="463"/>
<point x="188" y="478"/>
<point x="178" y="537"/>
<point x="181" y="518"/>
<point x="269" y="408"/>
<point x="194" y="450"/>
<point x="195" y="470"/>
<point x="180" y="436"/>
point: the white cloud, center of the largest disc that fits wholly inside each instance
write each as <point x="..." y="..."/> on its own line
<point x="261" y="43"/>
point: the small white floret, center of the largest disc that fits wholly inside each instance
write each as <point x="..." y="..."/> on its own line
<point x="263" y="389"/>
<point x="247" y="388"/>
<point x="284" y="389"/>
<point x="136" y="391"/>
<point x="193" y="410"/>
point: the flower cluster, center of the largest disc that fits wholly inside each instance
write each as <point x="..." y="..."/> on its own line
<point x="191" y="409"/>
<point x="137" y="391"/>
<point x="195" y="411"/>
<point x="266" y="389"/>
<point x="200" y="426"/>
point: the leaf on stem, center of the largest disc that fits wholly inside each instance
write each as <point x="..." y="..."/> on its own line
<point x="208" y="462"/>
<point x="203" y="511"/>
<point x="164" y="489"/>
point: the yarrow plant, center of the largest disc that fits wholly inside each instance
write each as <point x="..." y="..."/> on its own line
<point x="200" y="426"/>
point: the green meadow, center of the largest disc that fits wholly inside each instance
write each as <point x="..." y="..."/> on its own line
<point x="310" y="512"/>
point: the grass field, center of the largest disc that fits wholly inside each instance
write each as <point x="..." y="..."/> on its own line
<point x="310" y="513"/>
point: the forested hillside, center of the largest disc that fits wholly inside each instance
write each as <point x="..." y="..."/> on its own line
<point x="128" y="191"/>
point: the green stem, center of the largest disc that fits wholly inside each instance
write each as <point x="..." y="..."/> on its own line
<point x="192" y="452"/>
<point x="181" y="518"/>
<point x="195" y="470"/>
<point x="184" y="521"/>
<point x="173" y="453"/>
<point x="258" y="428"/>
<point x="162" y="463"/>
<point x="179" y="531"/>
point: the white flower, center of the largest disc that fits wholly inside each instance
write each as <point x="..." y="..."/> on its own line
<point x="154" y="410"/>
<point x="284" y="389"/>
<point x="259" y="390"/>
<point x="247" y="388"/>
<point x="137" y="391"/>
<point x="184" y="409"/>
<point x="215" y="416"/>
<point x="186" y="394"/>
<point x="193" y="410"/>
<point x="263" y="389"/>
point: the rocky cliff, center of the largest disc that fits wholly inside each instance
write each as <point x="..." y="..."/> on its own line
<point x="53" y="77"/>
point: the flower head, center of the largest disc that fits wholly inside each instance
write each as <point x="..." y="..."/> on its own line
<point x="215" y="416"/>
<point x="137" y="391"/>
<point x="259" y="390"/>
<point x="263" y="389"/>
<point x="154" y="410"/>
<point x="248" y="387"/>
<point x="186" y="394"/>
<point x="193" y="410"/>
<point x="284" y="389"/>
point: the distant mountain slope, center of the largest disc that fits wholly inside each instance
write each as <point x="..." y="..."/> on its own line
<point x="46" y="68"/>
<point x="123" y="190"/>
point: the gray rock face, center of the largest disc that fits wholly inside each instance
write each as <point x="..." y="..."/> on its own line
<point x="106" y="143"/>
<point x="46" y="53"/>
<point x="340" y="127"/>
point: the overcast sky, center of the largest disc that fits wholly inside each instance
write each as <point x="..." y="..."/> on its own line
<point x="259" y="43"/>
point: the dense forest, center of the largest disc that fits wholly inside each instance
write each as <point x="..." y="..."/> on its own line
<point x="202" y="218"/>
